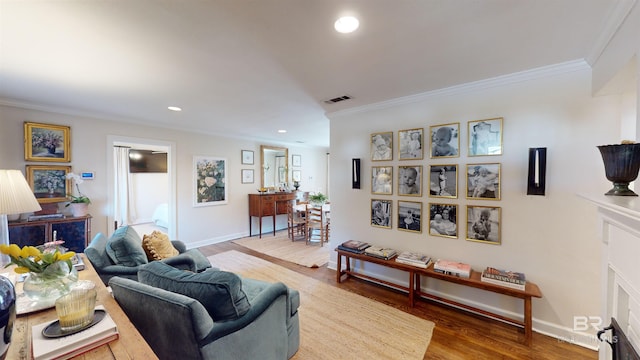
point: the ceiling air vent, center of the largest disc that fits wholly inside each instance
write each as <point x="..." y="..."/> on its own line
<point x="337" y="99"/>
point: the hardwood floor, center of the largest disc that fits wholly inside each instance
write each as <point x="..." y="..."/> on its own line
<point x="457" y="335"/>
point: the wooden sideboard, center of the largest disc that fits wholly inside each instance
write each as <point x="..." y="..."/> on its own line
<point x="273" y="204"/>
<point x="74" y="231"/>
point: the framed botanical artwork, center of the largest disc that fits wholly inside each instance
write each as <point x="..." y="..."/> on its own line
<point x="45" y="142"/>
<point x="296" y="160"/>
<point x="210" y="179"/>
<point x="247" y="157"/>
<point x="443" y="220"/>
<point x="483" y="224"/>
<point x="382" y="180"/>
<point x="410" y="144"/>
<point x="483" y="181"/>
<point x="296" y="175"/>
<point x="381" y="213"/>
<point x="410" y="216"/>
<point x="410" y="180"/>
<point x="247" y="176"/>
<point x="49" y="183"/>
<point x="382" y="146"/>
<point x="443" y="181"/>
<point x="444" y="140"/>
<point x="485" y="137"/>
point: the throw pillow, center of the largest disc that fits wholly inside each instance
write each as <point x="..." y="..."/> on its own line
<point x="124" y="247"/>
<point x="157" y="246"/>
<point x="220" y="292"/>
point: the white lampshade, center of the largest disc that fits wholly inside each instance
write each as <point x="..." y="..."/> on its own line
<point x="16" y="196"/>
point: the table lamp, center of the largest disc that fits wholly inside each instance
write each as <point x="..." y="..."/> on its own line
<point x="16" y="197"/>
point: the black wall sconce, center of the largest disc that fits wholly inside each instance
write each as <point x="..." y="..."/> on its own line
<point x="355" y="174"/>
<point x="537" y="171"/>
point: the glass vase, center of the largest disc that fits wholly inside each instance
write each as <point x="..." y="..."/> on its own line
<point x="56" y="280"/>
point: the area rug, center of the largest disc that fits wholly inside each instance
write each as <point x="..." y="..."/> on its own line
<point x="281" y="247"/>
<point x="335" y="323"/>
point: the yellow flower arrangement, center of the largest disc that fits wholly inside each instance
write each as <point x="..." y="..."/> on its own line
<point x="31" y="259"/>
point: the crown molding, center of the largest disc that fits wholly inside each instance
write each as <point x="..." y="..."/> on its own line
<point x="616" y="18"/>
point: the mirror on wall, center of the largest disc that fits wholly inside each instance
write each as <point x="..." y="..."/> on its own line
<point x="274" y="165"/>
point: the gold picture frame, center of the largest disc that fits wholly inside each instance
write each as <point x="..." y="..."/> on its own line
<point x="382" y="180"/>
<point x="443" y="220"/>
<point x="410" y="216"/>
<point x="444" y="140"/>
<point x="382" y="146"/>
<point x="484" y="224"/>
<point x="485" y="137"/>
<point x="483" y="181"/>
<point x="46" y="142"/>
<point x="411" y="144"/>
<point x="49" y="182"/>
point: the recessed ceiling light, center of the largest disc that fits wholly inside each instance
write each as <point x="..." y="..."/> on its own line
<point x="174" y="108"/>
<point x="282" y="131"/>
<point x="346" y="24"/>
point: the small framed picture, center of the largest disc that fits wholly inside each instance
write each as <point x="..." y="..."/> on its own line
<point x="445" y="140"/>
<point x="296" y="175"/>
<point x="443" y="220"/>
<point x="209" y="180"/>
<point x="485" y="137"/>
<point x="382" y="146"/>
<point x="410" y="144"/>
<point x="247" y="157"/>
<point x="247" y="176"/>
<point x="382" y="180"/>
<point x="381" y="213"/>
<point x="49" y="183"/>
<point x="483" y="181"/>
<point x="443" y="181"/>
<point x="410" y="216"/>
<point x="410" y="180"/>
<point x="44" y="142"/>
<point x="483" y="224"/>
<point x="296" y="160"/>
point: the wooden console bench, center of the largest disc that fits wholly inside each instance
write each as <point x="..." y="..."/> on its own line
<point x="531" y="290"/>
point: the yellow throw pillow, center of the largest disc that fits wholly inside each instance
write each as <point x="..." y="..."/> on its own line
<point x="157" y="246"/>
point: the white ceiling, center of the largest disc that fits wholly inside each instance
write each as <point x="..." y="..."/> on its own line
<point x="250" y="67"/>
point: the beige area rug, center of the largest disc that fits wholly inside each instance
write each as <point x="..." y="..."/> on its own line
<point x="281" y="247"/>
<point x="335" y="323"/>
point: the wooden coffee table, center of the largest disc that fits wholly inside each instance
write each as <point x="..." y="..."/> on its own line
<point x="130" y="345"/>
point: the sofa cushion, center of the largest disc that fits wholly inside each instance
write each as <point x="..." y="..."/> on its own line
<point x="124" y="247"/>
<point x="157" y="246"/>
<point x="220" y="292"/>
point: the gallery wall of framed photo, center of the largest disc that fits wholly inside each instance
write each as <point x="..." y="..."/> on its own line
<point x="427" y="169"/>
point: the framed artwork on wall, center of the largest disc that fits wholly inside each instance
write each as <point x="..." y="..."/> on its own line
<point x="410" y="144"/>
<point x="210" y="179"/>
<point x="45" y="142"/>
<point x="247" y="176"/>
<point x="443" y="181"/>
<point x="296" y="160"/>
<point x="485" y="137"/>
<point x="49" y="183"/>
<point x="410" y="180"/>
<point x="382" y="146"/>
<point x="247" y="157"/>
<point x="296" y="175"/>
<point x="483" y="181"/>
<point x="410" y="216"/>
<point x="483" y="224"/>
<point x="381" y="213"/>
<point x="443" y="220"/>
<point x="444" y="140"/>
<point x="382" y="180"/>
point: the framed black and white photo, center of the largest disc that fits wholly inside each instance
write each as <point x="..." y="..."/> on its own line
<point x="410" y="216"/>
<point x="210" y="179"/>
<point x="485" y="137"/>
<point x="443" y="181"/>
<point x="410" y="144"/>
<point x="381" y="213"/>
<point x="410" y="180"/>
<point x="247" y="157"/>
<point x="443" y="220"/>
<point x="483" y="181"/>
<point x="247" y="176"/>
<point x="296" y="160"/>
<point x="382" y="180"/>
<point x="483" y="224"/>
<point x="382" y="146"/>
<point x="444" y="140"/>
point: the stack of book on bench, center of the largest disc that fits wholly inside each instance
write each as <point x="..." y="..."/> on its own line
<point x="452" y="268"/>
<point x="414" y="259"/>
<point x="380" y="252"/>
<point x="512" y="279"/>
<point x="354" y="246"/>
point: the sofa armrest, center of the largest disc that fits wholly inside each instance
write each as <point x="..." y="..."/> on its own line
<point x="182" y="261"/>
<point x="179" y="245"/>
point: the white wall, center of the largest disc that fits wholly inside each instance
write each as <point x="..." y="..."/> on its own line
<point x="151" y="190"/>
<point x="550" y="238"/>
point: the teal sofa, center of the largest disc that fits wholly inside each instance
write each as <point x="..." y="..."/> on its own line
<point x="210" y="315"/>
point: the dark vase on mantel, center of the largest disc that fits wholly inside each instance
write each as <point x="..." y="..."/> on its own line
<point x="621" y="165"/>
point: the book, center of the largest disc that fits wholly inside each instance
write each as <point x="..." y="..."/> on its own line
<point x="380" y="252"/>
<point x="453" y="273"/>
<point x="77" y="262"/>
<point x="354" y="244"/>
<point x="452" y="268"/>
<point x="75" y="344"/>
<point x="413" y="263"/>
<point x="502" y="283"/>
<point x="355" y="251"/>
<point x="504" y="275"/>
<point x="413" y="258"/>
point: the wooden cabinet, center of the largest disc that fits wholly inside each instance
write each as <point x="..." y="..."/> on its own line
<point x="74" y="231"/>
<point x="261" y="205"/>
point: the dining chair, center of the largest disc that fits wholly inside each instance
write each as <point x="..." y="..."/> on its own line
<point x="296" y="224"/>
<point x="317" y="226"/>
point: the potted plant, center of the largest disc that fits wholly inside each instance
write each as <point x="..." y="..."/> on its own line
<point x="318" y="199"/>
<point x="79" y="205"/>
